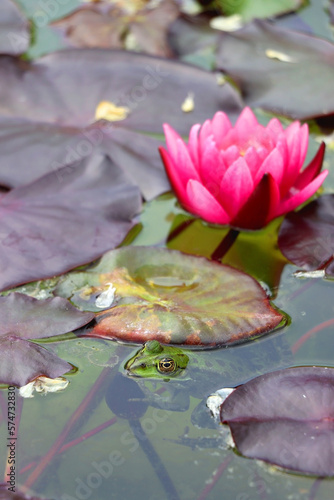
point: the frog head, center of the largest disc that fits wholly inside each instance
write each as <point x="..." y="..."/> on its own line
<point x="155" y="360"/>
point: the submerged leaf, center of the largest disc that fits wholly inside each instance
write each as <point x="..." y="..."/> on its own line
<point x="108" y="26"/>
<point x="172" y="297"/>
<point x="307" y="237"/>
<point x="250" y="9"/>
<point x="64" y="219"/>
<point x="24" y="318"/>
<point x="286" y="418"/>
<point x="14" y="29"/>
<point x="303" y="64"/>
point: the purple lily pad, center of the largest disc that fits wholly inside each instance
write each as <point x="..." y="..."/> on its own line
<point x="64" y="219"/>
<point x="66" y="87"/>
<point x="171" y="297"/>
<point x="266" y="60"/>
<point x="24" y="318"/>
<point x="286" y="418"/>
<point x="53" y="123"/>
<point x="306" y="237"/>
<point x="48" y="147"/>
<point x="14" y="29"/>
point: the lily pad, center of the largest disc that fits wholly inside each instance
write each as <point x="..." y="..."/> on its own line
<point x="24" y="318"/>
<point x="286" y="418"/>
<point x="30" y="146"/>
<point x="14" y="29"/>
<point x="173" y="298"/>
<point x="266" y="60"/>
<point x="105" y="25"/>
<point x="306" y="237"/>
<point x="66" y="87"/>
<point x="55" y="121"/>
<point x="66" y="218"/>
<point x="250" y="9"/>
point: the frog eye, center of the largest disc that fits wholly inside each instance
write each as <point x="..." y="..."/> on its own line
<point x="166" y="365"/>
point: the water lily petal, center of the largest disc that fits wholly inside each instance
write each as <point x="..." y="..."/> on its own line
<point x="204" y="133"/>
<point x="273" y="165"/>
<point x="274" y="127"/>
<point x="171" y="139"/>
<point x="245" y="124"/>
<point x="230" y="155"/>
<point x="220" y="127"/>
<point x="253" y="160"/>
<point x="312" y="170"/>
<point x="183" y="163"/>
<point x="303" y="136"/>
<point x="179" y="188"/>
<point x="295" y="136"/>
<point x="193" y="144"/>
<point x="303" y="195"/>
<point x="262" y="202"/>
<point x="202" y="203"/>
<point x="236" y="187"/>
<point x="212" y="167"/>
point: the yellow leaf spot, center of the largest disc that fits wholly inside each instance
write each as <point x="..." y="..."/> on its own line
<point x="280" y="56"/>
<point x="188" y="104"/>
<point x="107" y="110"/>
<point x="220" y="78"/>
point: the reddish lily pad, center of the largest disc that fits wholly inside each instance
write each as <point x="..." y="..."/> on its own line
<point x="24" y="318"/>
<point x="266" y="60"/>
<point x="173" y="298"/>
<point x="306" y="237"/>
<point x="14" y="29"/>
<point x="286" y="418"/>
<point x="108" y="26"/>
<point x="64" y="219"/>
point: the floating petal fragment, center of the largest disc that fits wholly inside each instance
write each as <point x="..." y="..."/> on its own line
<point x="43" y="385"/>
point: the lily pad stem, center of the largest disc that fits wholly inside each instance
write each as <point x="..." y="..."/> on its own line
<point x="225" y="244"/>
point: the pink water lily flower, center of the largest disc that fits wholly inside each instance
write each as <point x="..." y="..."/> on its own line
<point x="245" y="175"/>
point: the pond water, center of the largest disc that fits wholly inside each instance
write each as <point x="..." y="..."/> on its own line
<point x="92" y="441"/>
<point x="73" y="446"/>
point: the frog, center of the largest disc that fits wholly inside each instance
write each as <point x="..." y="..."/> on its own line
<point x="186" y="373"/>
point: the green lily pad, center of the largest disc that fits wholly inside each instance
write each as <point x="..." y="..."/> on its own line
<point x="250" y="9"/>
<point x="171" y="297"/>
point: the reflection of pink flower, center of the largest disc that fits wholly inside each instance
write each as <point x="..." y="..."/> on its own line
<point x="244" y="175"/>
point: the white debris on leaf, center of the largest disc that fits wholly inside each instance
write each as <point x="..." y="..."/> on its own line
<point x="280" y="56"/>
<point x="227" y="23"/>
<point x="188" y="104"/>
<point x="216" y="399"/>
<point x="310" y="274"/>
<point x="106" y="298"/>
<point x="43" y="385"/>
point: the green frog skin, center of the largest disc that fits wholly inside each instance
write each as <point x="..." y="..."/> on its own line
<point x="157" y="361"/>
<point x="199" y="373"/>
